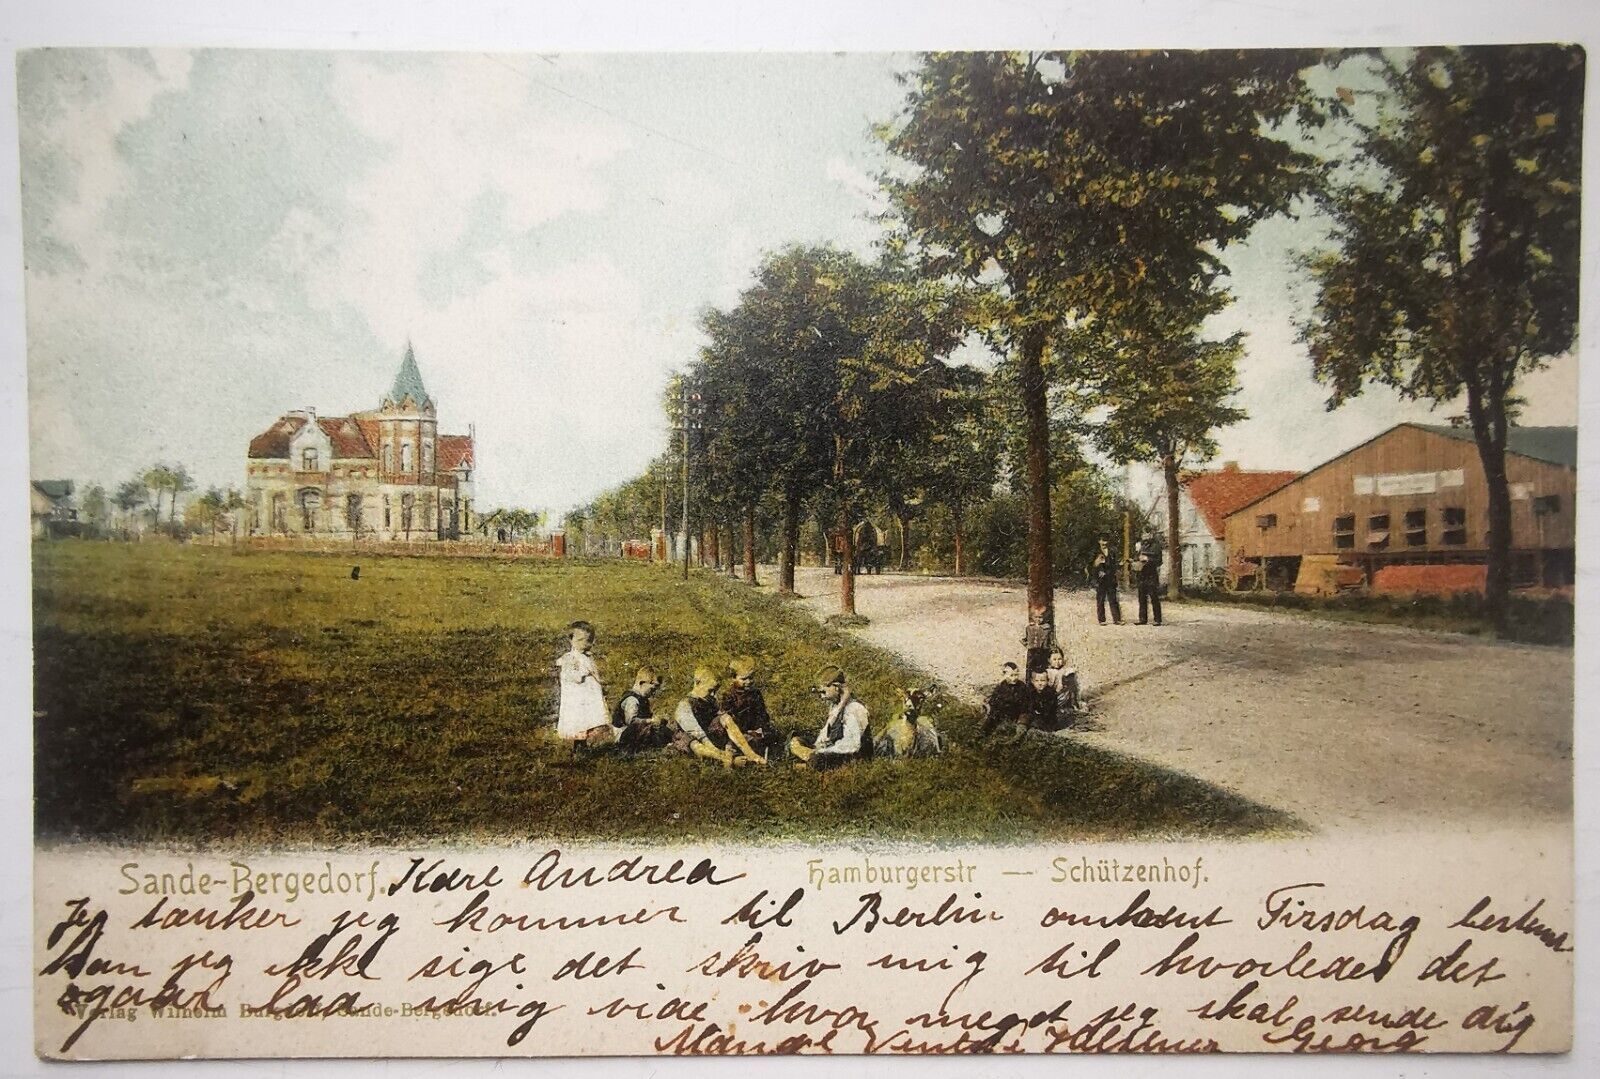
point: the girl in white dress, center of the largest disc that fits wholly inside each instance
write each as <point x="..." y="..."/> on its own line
<point x="583" y="704"/>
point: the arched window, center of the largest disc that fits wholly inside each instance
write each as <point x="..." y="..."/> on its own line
<point x="388" y="457"/>
<point x="310" y="502"/>
<point x="386" y="514"/>
<point x="427" y="454"/>
<point x="405" y="456"/>
<point x="407" y="503"/>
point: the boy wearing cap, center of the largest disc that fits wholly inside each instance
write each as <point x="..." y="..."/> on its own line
<point x="844" y="731"/>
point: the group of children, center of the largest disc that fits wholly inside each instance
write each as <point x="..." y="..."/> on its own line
<point x="733" y="729"/>
<point x="1048" y="701"/>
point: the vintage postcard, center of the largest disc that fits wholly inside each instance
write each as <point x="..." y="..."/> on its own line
<point x="751" y="553"/>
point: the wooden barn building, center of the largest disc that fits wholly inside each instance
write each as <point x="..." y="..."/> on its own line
<point x="1415" y="496"/>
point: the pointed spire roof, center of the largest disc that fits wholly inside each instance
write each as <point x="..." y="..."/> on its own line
<point x="408" y="381"/>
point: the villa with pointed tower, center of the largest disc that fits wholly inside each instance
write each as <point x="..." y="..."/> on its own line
<point x="386" y="474"/>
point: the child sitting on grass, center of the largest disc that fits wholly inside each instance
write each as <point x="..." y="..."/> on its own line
<point x="1009" y="701"/>
<point x="1042" y="703"/>
<point x="632" y="721"/>
<point x="582" y="716"/>
<point x="844" y="736"/>
<point x="1064" y="680"/>
<point x="696" y="716"/>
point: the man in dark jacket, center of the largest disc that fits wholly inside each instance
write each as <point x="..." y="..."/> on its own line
<point x="1147" y="570"/>
<point x="1104" y="573"/>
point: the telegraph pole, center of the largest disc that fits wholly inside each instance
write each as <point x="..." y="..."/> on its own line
<point x="686" y="479"/>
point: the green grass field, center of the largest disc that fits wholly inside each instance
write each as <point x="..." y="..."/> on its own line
<point x="194" y="693"/>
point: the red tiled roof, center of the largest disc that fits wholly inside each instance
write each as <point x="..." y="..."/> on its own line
<point x="274" y="441"/>
<point x="346" y="436"/>
<point x="371" y="433"/>
<point x="1217" y="494"/>
<point x="454" y="451"/>
<point x="344" y="432"/>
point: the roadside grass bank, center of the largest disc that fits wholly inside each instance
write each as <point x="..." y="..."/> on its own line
<point x="187" y="693"/>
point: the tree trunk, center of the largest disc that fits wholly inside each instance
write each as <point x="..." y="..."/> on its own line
<point x="903" y="519"/>
<point x="789" y="549"/>
<point x="732" y="562"/>
<point x="1489" y="431"/>
<point x="847" y="575"/>
<point x="750" y="543"/>
<point x="956" y="515"/>
<point x="827" y="546"/>
<point x="713" y="545"/>
<point x="1041" y="575"/>
<point x="1169" y="469"/>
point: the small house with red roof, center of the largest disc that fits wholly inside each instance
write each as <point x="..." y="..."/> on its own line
<point x="384" y="474"/>
<point x="1204" y="501"/>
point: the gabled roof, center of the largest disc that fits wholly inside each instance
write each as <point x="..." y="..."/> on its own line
<point x="55" y="489"/>
<point x="346" y="436"/>
<point x="344" y="433"/>
<point x="455" y="451"/>
<point x="1553" y="445"/>
<point x="1217" y="494"/>
<point x="274" y="441"/>
<point x="408" y="381"/>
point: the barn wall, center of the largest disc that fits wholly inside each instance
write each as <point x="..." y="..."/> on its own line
<point x="1398" y="462"/>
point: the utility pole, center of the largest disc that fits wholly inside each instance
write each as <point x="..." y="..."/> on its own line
<point x="686" y="479"/>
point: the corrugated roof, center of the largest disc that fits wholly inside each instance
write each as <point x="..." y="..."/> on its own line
<point x="1554" y="445"/>
<point x="1217" y="494"/>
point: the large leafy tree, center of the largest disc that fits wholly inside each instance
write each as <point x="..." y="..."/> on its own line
<point x="1168" y="389"/>
<point x="1079" y="187"/>
<point x="811" y="383"/>
<point x="1454" y="265"/>
<point x="963" y="453"/>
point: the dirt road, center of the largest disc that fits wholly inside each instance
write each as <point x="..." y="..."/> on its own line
<point x="1344" y="725"/>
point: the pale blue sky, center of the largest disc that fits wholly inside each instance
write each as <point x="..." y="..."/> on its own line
<point x="214" y="238"/>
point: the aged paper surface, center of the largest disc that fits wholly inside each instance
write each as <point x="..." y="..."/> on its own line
<point x="305" y="776"/>
<point x="1315" y="947"/>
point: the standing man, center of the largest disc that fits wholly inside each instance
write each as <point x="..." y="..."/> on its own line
<point x="1147" y="571"/>
<point x="1104" y="573"/>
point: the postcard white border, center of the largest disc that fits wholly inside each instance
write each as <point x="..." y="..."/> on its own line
<point x="730" y="25"/>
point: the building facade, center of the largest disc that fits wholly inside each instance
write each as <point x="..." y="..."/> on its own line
<point x="386" y="474"/>
<point x="1416" y="496"/>
<point x="1204" y="501"/>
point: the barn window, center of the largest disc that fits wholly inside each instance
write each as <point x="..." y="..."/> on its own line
<point x="1344" y="531"/>
<point x="1378" y="531"/>
<point x="1545" y="505"/>
<point x="1267" y="520"/>
<point x="1455" y="526"/>
<point x="1416" y="528"/>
